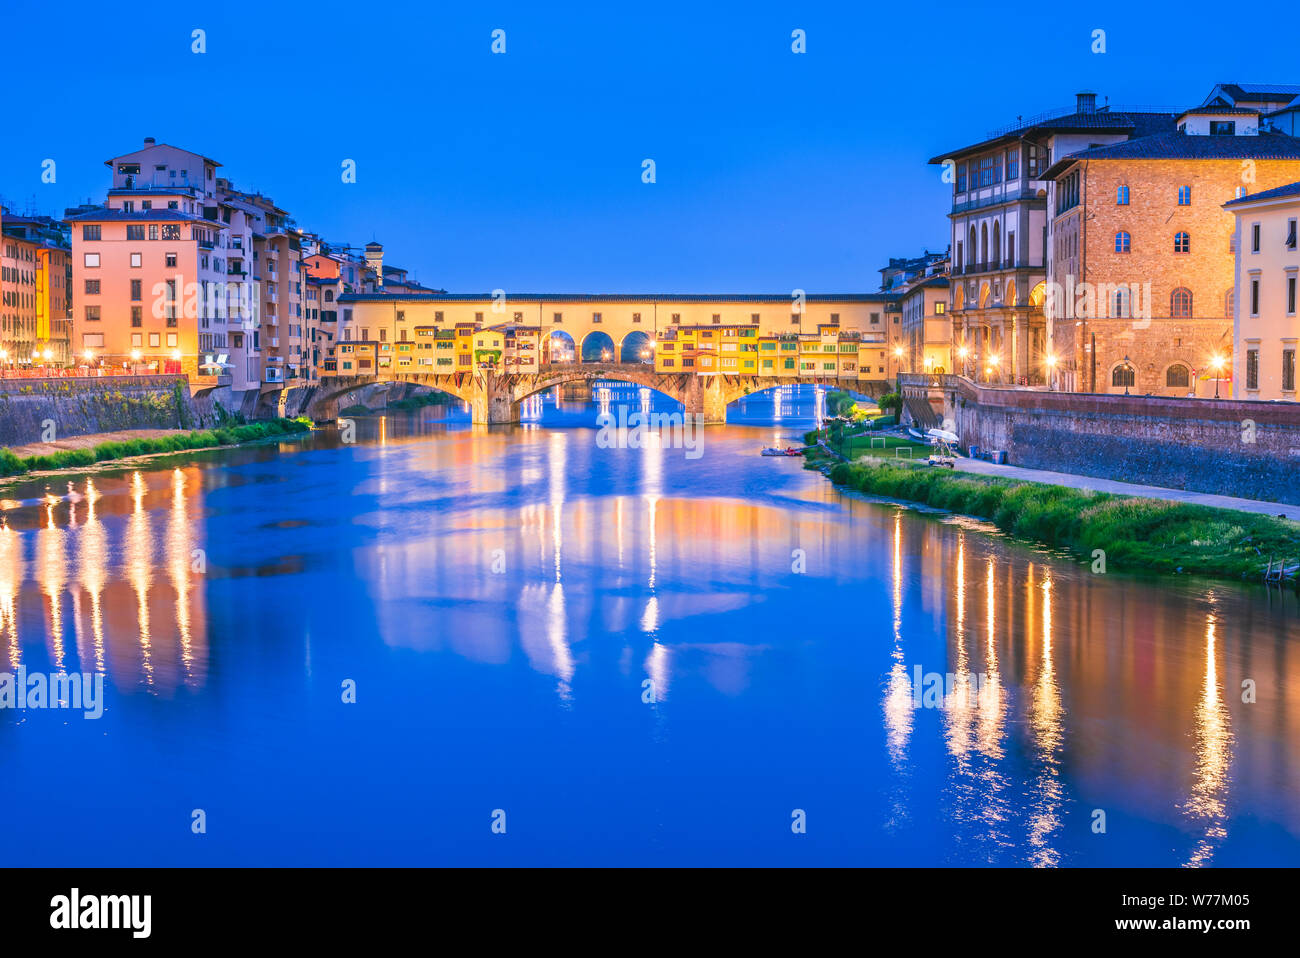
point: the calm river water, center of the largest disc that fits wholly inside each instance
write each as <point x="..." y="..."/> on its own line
<point x="621" y="656"/>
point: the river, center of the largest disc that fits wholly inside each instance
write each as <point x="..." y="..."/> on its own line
<point x="566" y="653"/>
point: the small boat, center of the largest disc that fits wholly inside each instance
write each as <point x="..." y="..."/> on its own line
<point x="788" y="451"/>
<point x="917" y="434"/>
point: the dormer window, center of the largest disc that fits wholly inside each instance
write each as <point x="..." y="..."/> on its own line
<point x="1223" y="128"/>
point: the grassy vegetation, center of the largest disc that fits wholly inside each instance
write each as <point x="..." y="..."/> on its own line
<point x="1135" y="533"/>
<point x="13" y="465"/>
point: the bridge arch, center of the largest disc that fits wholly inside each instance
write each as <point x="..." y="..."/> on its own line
<point x="559" y="347"/>
<point x="637" y="347"/>
<point x="598" y="347"/>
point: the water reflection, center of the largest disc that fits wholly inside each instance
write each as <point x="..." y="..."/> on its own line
<point x="528" y="574"/>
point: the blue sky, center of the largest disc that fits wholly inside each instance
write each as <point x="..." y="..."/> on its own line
<point x="522" y="171"/>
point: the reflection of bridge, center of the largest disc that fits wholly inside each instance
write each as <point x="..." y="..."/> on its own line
<point x="495" y="396"/>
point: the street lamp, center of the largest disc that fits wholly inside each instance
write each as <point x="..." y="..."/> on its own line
<point x="1217" y="363"/>
<point x="993" y="367"/>
<point x="962" y="353"/>
<point x="1128" y="373"/>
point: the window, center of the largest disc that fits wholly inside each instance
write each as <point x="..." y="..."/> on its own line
<point x="89" y="340"/>
<point x="1290" y="233"/>
<point x="1230" y="304"/>
<point x="1184" y="196"/>
<point x="92" y="260"/>
<point x="135" y="260"/>
<point x="92" y="287"/>
<point x="171" y="259"/>
<point x="1123" y="301"/>
<point x="1252" y="369"/>
<point x="875" y="319"/>
<point x="1123" y="376"/>
<point x="135" y="231"/>
<point x="1180" y="304"/>
<point x="1177" y="377"/>
<point x="171" y="339"/>
<point x="636" y="317"/>
<point x="137" y="316"/>
<point x="717" y="318"/>
<point x="1288" y="370"/>
<point x="1254" y="237"/>
<point x="961" y="177"/>
<point x="155" y="339"/>
<point x="1223" y="128"/>
<point x="595" y="317"/>
<point x="753" y="319"/>
<point x="794" y="319"/>
<point x="90" y="231"/>
<point x="92" y="314"/>
<point x="1290" y="295"/>
<point x="557" y="318"/>
<point x="153" y="231"/>
<point x="135" y="290"/>
<point x="1254" y="297"/>
<point x="1122" y="242"/>
<point x="939" y="308"/>
<point x="1182" y="242"/>
<point x="1121" y="196"/>
<point x="1013" y="164"/>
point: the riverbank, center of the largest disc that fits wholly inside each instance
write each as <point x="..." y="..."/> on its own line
<point x="1132" y="532"/>
<point x="83" y="451"/>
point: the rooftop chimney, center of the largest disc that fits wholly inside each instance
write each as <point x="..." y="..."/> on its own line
<point x="1085" y="102"/>
<point x="149" y="141"/>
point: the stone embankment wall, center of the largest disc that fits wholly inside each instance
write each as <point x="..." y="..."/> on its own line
<point x="1228" y="447"/>
<point x="38" y="410"/>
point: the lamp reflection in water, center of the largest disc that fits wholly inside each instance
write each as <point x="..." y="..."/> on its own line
<point x="179" y="559"/>
<point x="11" y="579"/>
<point x="1045" y="720"/>
<point x="898" y="695"/>
<point x="93" y="556"/>
<point x="52" y="574"/>
<point x="1206" y="806"/>
<point x="139" y="569"/>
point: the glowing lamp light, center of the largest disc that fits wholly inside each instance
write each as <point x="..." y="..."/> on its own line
<point x="49" y="354"/>
<point x="963" y="352"/>
<point x="135" y="355"/>
<point x="993" y="360"/>
<point x="1217" y="362"/>
<point x="88" y="355"/>
<point x="4" y="354"/>
<point x="1051" y="360"/>
<point x="176" y="354"/>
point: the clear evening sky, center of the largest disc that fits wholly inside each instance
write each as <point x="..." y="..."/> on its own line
<point x="522" y="171"/>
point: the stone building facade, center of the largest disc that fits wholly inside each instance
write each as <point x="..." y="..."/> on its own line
<point x="1141" y="263"/>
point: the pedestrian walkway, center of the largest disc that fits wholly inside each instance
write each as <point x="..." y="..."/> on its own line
<point x="1128" y="488"/>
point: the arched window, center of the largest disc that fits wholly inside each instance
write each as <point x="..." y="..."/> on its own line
<point x="1122" y="242"/>
<point x="1122" y="375"/>
<point x="1229" y="303"/>
<point x="1177" y="376"/>
<point x="997" y="244"/>
<point x="973" y="251"/>
<point x="1121" y="303"/>
<point x="984" y="244"/>
<point x="1182" y="242"/>
<point x="1180" y="303"/>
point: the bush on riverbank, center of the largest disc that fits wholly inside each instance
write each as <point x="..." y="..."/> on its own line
<point x="13" y="465"/>
<point x="1134" y="533"/>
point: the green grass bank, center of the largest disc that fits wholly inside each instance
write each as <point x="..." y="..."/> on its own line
<point x="13" y="465"/>
<point x="1136" y="534"/>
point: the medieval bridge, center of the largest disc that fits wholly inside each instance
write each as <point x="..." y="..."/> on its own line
<point x="495" y="397"/>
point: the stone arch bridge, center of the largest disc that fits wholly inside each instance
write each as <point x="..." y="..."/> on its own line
<point x="495" y="397"/>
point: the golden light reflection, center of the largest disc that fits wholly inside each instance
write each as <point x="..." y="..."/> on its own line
<point x="94" y="559"/>
<point x="52" y="573"/>
<point x="898" y="698"/>
<point x="139" y="569"/>
<point x="179" y="565"/>
<point x="11" y="580"/>
<point x="1207" y="804"/>
<point x="1045" y="722"/>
